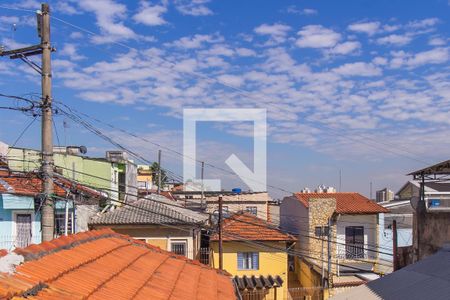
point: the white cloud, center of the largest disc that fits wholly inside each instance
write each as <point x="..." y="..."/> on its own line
<point x="109" y="15"/>
<point x="305" y="11"/>
<point x="345" y="48"/>
<point x="434" y="56"/>
<point x="150" y="15"/>
<point x="232" y="80"/>
<point x="395" y="39"/>
<point x="369" y="28"/>
<point x="423" y="23"/>
<point x="195" y="41"/>
<point x="277" y="31"/>
<point x="70" y="50"/>
<point x="9" y="20"/>
<point x="193" y="7"/>
<point x="358" y="69"/>
<point x="66" y="8"/>
<point x="436" y="41"/>
<point x="245" y="52"/>
<point x="317" y="36"/>
<point x="76" y="35"/>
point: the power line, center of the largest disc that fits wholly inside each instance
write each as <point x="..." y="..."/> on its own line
<point x="21" y="134"/>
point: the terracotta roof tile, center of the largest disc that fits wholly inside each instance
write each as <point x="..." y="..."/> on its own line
<point x="28" y="184"/>
<point x="102" y="264"/>
<point x="249" y="227"/>
<point x="346" y="203"/>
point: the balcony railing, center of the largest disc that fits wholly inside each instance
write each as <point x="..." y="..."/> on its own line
<point x="355" y="252"/>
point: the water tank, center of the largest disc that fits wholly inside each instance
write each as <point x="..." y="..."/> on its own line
<point x="237" y="190"/>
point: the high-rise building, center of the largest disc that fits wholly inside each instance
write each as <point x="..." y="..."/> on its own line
<point x="384" y="195"/>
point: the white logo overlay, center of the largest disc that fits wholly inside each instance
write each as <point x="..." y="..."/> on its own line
<point x="255" y="180"/>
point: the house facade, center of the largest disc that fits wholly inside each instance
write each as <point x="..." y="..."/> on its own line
<point x="256" y="203"/>
<point x="349" y="221"/>
<point x="20" y="217"/>
<point x="115" y="174"/>
<point x="157" y="221"/>
<point x="254" y="252"/>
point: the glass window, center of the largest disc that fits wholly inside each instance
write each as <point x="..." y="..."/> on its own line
<point x="60" y="223"/>
<point x="248" y="260"/>
<point x="252" y="209"/>
<point x="321" y="231"/>
<point x="178" y="247"/>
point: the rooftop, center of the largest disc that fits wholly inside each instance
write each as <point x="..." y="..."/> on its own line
<point x="102" y="264"/>
<point x="346" y="203"/>
<point x="247" y="226"/>
<point x="154" y="209"/>
<point x="426" y="279"/>
<point x="29" y="184"/>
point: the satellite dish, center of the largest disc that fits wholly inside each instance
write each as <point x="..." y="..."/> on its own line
<point x="83" y="149"/>
<point x="414" y="202"/>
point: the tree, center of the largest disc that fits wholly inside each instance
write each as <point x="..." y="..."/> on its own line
<point x="155" y="175"/>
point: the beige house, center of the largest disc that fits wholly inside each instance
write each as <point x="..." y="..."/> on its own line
<point x="350" y="221"/>
<point x="256" y="203"/>
<point x="157" y="221"/>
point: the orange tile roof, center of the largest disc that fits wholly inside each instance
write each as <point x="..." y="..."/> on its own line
<point x="102" y="264"/>
<point x="249" y="227"/>
<point x="346" y="203"/>
<point x="29" y="184"/>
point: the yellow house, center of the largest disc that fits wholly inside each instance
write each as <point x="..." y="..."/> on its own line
<point x="157" y="221"/>
<point x="254" y="252"/>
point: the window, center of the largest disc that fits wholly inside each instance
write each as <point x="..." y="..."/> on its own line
<point x="178" y="247"/>
<point x="248" y="260"/>
<point x="23" y="230"/>
<point x="252" y="209"/>
<point x="60" y="223"/>
<point x="321" y="230"/>
<point x="354" y="242"/>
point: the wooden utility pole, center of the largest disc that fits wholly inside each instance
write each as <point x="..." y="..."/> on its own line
<point x="159" y="171"/>
<point x="395" y="245"/>
<point x="220" y="234"/>
<point x="48" y="217"/>
<point x="44" y="48"/>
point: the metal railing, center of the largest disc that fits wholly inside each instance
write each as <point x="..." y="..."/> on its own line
<point x="10" y="242"/>
<point x="355" y="252"/>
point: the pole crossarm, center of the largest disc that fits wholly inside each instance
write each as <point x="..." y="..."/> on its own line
<point x="27" y="51"/>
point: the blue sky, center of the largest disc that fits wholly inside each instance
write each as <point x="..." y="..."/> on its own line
<point x="357" y="86"/>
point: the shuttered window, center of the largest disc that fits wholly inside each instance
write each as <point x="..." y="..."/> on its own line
<point x="248" y="260"/>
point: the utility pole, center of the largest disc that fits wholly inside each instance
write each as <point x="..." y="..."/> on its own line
<point x="44" y="48"/>
<point x="48" y="217"/>
<point x="322" y="237"/>
<point x="203" y="189"/>
<point x="220" y="234"/>
<point x="395" y="245"/>
<point x="159" y="171"/>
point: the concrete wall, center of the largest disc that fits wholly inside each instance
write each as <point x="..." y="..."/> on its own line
<point x="161" y="236"/>
<point x="271" y="261"/>
<point x="369" y="222"/>
<point x="295" y="220"/>
<point x="431" y="231"/>
<point x="7" y="225"/>
<point x="239" y="202"/>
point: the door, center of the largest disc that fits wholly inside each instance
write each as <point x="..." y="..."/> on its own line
<point x="354" y="242"/>
<point x="23" y="230"/>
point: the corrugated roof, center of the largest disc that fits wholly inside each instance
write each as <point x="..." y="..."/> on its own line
<point x="105" y="265"/>
<point x="346" y="203"/>
<point x="247" y="226"/>
<point x="154" y="210"/>
<point x="426" y="279"/>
